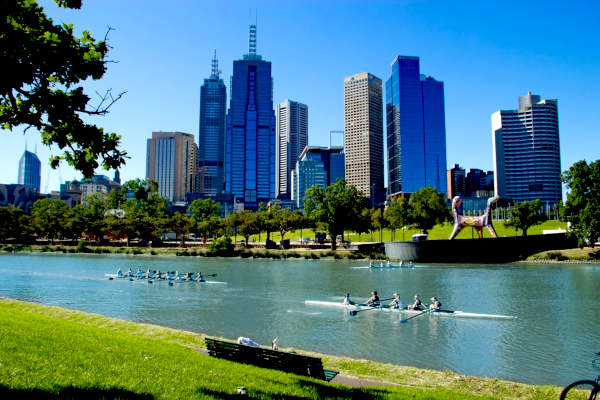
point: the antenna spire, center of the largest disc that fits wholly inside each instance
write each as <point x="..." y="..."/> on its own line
<point x="215" y="66"/>
<point x="252" y="40"/>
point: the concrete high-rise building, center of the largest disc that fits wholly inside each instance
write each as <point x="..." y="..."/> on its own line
<point x="416" y="129"/>
<point x="527" y="151"/>
<point x="250" y="139"/>
<point x="211" y="134"/>
<point x="30" y="169"/>
<point x="171" y="161"/>
<point x="456" y="181"/>
<point x="363" y="122"/>
<point x="291" y="139"/>
<point x="320" y="166"/>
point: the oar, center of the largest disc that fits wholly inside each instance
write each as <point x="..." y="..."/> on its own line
<point x="354" y="312"/>
<point x="414" y="316"/>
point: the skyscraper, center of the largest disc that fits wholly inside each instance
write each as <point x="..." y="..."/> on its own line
<point x="456" y="181"/>
<point x="211" y="133"/>
<point x="250" y="140"/>
<point x="363" y="121"/>
<point x="527" y="151"/>
<point x="30" y="171"/>
<point x="319" y="166"/>
<point x="291" y="139"/>
<point x="416" y="129"/>
<point x="171" y="161"/>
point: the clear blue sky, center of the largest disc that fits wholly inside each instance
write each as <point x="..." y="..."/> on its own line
<point x="487" y="54"/>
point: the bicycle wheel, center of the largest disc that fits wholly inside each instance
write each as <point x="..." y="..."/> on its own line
<point x="587" y="390"/>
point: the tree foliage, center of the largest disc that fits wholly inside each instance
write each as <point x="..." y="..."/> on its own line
<point x="246" y="223"/>
<point x="49" y="217"/>
<point x="336" y="208"/>
<point x="525" y="215"/>
<point x="582" y="207"/>
<point x="42" y="88"/>
<point x="428" y="208"/>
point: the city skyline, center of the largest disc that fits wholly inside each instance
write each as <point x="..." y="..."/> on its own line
<point x="479" y="55"/>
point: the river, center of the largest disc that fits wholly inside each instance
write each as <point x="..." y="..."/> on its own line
<point x="551" y="341"/>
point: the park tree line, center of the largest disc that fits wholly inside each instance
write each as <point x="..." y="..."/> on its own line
<point x="137" y="211"/>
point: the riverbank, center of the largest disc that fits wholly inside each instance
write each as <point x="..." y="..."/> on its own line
<point x="64" y="353"/>
<point x="589" y="255"/>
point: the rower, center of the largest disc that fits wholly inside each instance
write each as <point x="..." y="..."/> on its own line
<point x="169" y="277"/>
<point x="388" y="263"/>
<point x="140" y="274"/>
<point x="130" y="272"/>
<point x="435" y="304"/>
<point x="374" y="300"/>
<point x="199" y="277"/>
<point x="119" y="273"/>
<point x="381" y="263"/>
<point x="190" y="276"/>
<point x="370" y="263"/>
<point x="397" y="302"/>
<point x="417" y="305"/>
<point x="348" y="300"/>
<point x="177" y="275"/>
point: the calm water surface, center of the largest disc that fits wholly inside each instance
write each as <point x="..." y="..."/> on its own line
<point x="550" y="342"/>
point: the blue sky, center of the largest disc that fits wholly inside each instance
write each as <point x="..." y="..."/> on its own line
<point x="487" y="54"/>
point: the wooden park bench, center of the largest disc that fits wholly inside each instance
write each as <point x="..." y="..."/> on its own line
<point x="265" y="358"/>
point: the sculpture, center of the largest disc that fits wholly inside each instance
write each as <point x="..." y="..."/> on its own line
<point x="485" y="220"/>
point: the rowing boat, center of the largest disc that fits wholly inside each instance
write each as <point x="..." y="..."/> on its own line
<point x="173" y="280"/>
<point x="385" y="267"/>
<point x="441" y="313"/>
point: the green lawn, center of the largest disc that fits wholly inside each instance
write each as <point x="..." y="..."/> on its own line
<point x="438" y="232"/>
<point x="53" y="353"/>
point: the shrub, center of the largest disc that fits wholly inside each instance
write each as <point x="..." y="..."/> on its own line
<point x="555" y="255"/>
<point x="314" y="256"/>
<point x="136" y="251"/>
<point x="221" y="247"/>
<point x="152" y="252"/>
<point x="9" y="249"/>
<point x="337" y="256"/>
<point x="82" y="248"/>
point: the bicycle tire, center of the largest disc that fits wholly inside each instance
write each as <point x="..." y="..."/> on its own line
<point x="583" y="386"/>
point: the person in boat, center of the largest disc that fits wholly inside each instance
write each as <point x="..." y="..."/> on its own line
<point x="388" y="264"/>
<point x="130" y="272"/>
<point x="177" y="275"/>
<point x="169" y="277"/>
<point x="397" y="302"/>
<point x="374" y="300"/>
<point x="417" y="305"/>
<point x="140" y="274"/>
<point x="370" y="263"/>
<point x="348" y="300"/>
<point x="119" y="273"/>
<point x="199" y="277"/>
<point x="435" y="304"/>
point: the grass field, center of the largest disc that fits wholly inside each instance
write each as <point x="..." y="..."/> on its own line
<point x="438" y="232"/>
<point x="54" y="353"/>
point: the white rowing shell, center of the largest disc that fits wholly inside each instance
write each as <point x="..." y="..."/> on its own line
<point x="460" y="314"/>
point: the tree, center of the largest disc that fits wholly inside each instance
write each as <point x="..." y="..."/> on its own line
<point x="204" y="213"/>
<point x="266" y="219"/>
<point x="14" y="223"/>
<point x="212" y="227"/>
<point x="526" y="214"/>
<point x="427" y="209"/>
<point x="284" y="221"/>
<point x="582" y="207"/>
<point x="336" y="208"/>
<point x="49" y="216"/>
<point x="378" y="221"/>
<point x="121" y="227"/>
<point x="246" y="223"/>
<point x="398" y="213"/>
<point x="182" y="225"/>
<point x="47" y="65"/>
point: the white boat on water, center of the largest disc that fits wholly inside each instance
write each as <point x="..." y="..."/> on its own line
<point x="442" y="313"/>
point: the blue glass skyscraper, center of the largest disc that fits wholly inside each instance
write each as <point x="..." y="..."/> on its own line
<point x="211" y="134"/>
<point x="30" y="171"/>
<point x="250" y="142"/>
<point x="416" y="129"/>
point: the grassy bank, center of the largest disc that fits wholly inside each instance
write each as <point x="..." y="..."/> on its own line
<point x="56" y="353"/>
<point x="587" y="254"/>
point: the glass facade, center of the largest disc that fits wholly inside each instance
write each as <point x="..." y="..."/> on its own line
<point x="30" y="169"/>
<point x="250" y="140"/>
<point x="416" y="129"/>
<point x="317" y="166"/>
<point x="211" y="136"/>
<point x="527" y="151"/>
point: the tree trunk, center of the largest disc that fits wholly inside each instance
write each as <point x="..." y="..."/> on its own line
<point x="246" y="238"/>
<point x="182" y="240"/>
<point x="333" y="241"/>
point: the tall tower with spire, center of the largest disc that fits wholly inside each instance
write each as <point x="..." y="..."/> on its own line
<point x="30" y="170"/>
<point x="211" y="134"/>
<point x="250" y="141"/>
